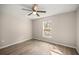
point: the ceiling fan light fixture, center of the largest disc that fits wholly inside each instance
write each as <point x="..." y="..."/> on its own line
<point x="34" y="10"/>
<point x="34" y="13"/>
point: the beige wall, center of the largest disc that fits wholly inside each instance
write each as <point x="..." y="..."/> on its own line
<point x="14" y="26"/>
<point x="64" y="29"/>
<point x="77" y="41"/>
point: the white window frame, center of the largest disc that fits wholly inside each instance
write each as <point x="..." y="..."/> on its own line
<point x="49" y="28"/>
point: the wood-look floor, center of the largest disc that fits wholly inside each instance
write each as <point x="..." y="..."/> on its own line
<point x="37" y="47"/>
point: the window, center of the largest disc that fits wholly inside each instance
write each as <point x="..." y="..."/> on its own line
<point x="47" y="29"/>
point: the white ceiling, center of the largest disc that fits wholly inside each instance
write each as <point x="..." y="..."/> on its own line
<point x="52" y="9"/>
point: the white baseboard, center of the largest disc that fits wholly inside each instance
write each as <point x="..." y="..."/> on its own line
<point x="37" y="39"/>
<point x="13" y="43"/>
<point x="77" y="50"/>
<point x="58" y="43"/>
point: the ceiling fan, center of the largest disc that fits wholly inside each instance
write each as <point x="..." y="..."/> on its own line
<point x="34" y="10"/>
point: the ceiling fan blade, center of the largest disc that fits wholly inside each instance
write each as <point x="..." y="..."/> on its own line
<point x="37" y="14"/>
<point x="26" y="9"/>
<point x="42" y="11"/>
<point x="29" y="14"/>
